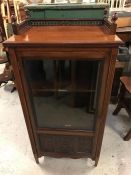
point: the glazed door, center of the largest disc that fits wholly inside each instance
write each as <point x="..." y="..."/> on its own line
<point x="64" y="94"/>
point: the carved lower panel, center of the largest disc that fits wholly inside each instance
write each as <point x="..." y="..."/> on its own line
<point x="68" y="145"/>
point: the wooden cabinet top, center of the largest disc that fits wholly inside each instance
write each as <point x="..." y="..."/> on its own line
<point x="85" y="35"/>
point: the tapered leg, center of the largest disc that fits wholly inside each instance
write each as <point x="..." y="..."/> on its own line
<point x="96" y="161"/>
<point x="128" y="136"/>
<point x="36" y="159"/>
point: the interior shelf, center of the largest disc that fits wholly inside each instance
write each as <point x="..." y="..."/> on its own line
<point x="39" y="86"/>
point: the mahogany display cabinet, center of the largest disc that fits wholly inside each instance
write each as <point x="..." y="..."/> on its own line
<point x="63" y="57"/>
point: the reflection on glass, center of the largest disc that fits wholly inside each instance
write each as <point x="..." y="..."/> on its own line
<point x="63" y="93"/>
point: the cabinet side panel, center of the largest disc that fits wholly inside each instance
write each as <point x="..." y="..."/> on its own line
<point x="105" y="102"/>
<point x="19" y="85"/>
<point x="104" y="74"/>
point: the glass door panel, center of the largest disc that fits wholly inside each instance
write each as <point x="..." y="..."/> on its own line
<point x="63" y="94"/>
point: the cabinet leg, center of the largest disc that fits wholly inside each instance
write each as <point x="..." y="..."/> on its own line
<point x="96" y="161"/>
<point x="36" y="158"/>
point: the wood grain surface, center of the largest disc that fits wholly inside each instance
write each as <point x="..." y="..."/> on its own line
<point x="64" y="35"/>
